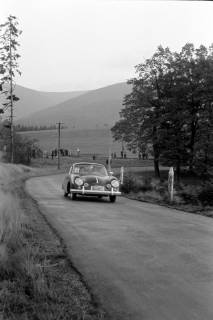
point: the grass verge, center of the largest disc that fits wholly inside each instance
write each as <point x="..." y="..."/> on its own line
<point x="37" y="280"/>
<point x="189" y="195"/>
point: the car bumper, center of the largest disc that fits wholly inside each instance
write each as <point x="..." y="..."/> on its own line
<point x="96" y="192"/>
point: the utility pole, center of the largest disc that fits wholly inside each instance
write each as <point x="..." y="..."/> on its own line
<point x="59" y="142"/>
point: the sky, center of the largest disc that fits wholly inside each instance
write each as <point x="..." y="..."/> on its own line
<point x="69" y="45"/>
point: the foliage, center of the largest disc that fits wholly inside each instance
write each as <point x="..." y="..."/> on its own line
<point x="205" y="196"/>
<point x="8" y="57"/>
<point x="170" y="106"/>
<point x="133" y="184"/>
<point x="23" y="147"/>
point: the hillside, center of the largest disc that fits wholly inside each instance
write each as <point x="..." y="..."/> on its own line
<point x="33" y="100"/>
<point x="94" y="109"/>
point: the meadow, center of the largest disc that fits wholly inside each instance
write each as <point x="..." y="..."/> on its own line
<point x="96" y="141"/>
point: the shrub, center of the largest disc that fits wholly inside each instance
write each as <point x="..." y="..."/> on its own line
<point x="190" y="195"/>
<point x="128" y="183"/>
<point x="22" y="147"/>
<point x="134" y="184"/>
<point x="205" y="196"/>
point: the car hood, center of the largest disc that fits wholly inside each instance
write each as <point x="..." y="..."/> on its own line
<point x="91" y="179"/>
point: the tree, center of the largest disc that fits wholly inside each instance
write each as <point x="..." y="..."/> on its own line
<point x="23" y="146"/>
<point x="170" y="107"/>
<point x="190" y="100"/>
<point x="204" y="143"/>
<point x="144" y="106"/>
<point x="9" y="33"/>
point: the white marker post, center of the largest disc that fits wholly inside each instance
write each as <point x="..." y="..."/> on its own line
<point x="171" y="183"/>
<point x="122" y="175"/>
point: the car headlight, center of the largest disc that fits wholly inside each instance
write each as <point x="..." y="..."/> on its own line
<point x="115" y="183"/>
<point x="79" y="182"/>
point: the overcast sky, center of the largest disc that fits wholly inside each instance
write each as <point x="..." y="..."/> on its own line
<point x="71" y="45"/>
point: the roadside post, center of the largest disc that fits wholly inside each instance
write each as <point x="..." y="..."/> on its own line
<point x="171" y="183"/>
<point x="122" y="175"/>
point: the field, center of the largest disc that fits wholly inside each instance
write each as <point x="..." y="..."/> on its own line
<point x="98" y="141"/>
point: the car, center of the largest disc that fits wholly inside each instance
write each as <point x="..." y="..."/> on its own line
<point x="90" y="179"/>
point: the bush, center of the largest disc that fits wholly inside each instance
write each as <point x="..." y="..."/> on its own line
<point x="190" y="195"/>
<point x="22" y="147"/>
<point x="128" y="183"/>
<point x="134" y="184"/>
<point x="22" y="151"/>
<point x="205" y="196"/>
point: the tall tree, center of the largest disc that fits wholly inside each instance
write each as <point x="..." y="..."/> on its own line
<point x="170" y="107"/>
<point x="203" y="161"/>
<point x="190" y="98"/>
<point x="9" y="34"/>
<point x="144" y="106"/>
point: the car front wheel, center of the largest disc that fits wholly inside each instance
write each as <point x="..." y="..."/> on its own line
<point x="67" y="191"/>
<point x="65" y="194"/>
<point x="112" y="198"/>
<point x="73" y="196"/>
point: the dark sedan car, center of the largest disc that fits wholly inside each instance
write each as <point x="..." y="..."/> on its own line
<point x="90" y="179"/>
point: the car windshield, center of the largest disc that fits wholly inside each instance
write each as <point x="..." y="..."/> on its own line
<point x="90" y="169"/>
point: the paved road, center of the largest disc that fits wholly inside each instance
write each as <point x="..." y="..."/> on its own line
<point x="143" y="261"/>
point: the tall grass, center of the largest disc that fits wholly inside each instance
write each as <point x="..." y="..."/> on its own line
<point x="10" y="234"/>
<point x="16" y="265"/>
<point x="35" y="277"/>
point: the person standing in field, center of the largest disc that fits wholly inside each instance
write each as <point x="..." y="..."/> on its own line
<point x="78" y="152"/>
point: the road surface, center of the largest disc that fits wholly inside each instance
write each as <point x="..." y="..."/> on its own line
<point x="143" y="261"/>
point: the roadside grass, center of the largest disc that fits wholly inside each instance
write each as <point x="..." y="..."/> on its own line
<point x="9" y="234"/>
<point x="190" y="194"/>
<point x="37" y="280"/>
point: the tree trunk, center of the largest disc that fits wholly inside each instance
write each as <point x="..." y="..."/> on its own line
<point x="178" y="170"/>
<point x="156" y="161"/>
<point x="192" y="144"/>
<point x="157" y="170"/>
<point x="156" y="152"/>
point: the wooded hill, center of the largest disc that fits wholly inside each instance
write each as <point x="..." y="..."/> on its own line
<point x="33" y="100"/>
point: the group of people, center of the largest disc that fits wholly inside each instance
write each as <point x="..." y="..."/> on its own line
<point x="68" y="153"/>
<point x="123" y="154"/>
<point x="143" y="155"/>
<point x="63" y="153"/>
